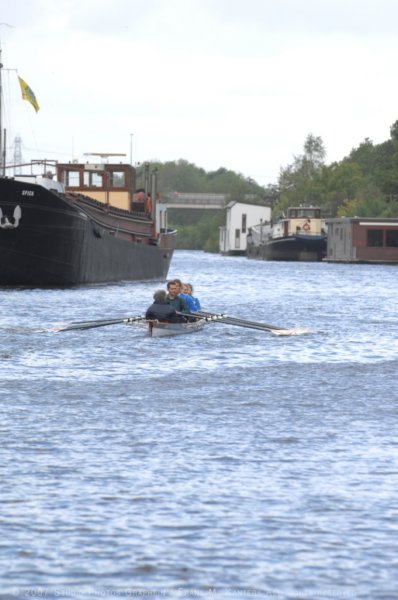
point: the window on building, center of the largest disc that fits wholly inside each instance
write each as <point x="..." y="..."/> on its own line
<point x="375" y="238"/>
<point x="244" y="223"/>
<point x="392" y="238"/>
<point x="237" y="238"/>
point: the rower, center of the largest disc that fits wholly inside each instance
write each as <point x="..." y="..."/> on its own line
<point x="173" y="297"/>
<point x="161" y="309"/>
<point x="187" y="293"/>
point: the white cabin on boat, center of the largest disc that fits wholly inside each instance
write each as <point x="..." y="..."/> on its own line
<point x="305" y="220"/>
<point x="240" y="217"/>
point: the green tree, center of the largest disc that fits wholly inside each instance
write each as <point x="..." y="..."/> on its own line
<point x="339" y="186"/>
<point x="299" y="182"/>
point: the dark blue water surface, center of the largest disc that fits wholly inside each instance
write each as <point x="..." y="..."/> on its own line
<point x="228" y="463"/>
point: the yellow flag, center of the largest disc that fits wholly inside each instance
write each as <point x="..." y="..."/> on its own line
<point x="27" y="94"/>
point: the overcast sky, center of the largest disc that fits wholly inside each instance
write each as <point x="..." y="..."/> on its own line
<point x="219" y="83"/>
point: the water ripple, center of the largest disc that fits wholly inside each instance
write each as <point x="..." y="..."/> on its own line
<point x="230" y="463"/>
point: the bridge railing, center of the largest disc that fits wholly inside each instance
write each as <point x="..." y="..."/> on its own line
<point x="194" y="199"/>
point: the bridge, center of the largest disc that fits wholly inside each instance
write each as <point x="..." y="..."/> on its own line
<point x="198" y="201"/>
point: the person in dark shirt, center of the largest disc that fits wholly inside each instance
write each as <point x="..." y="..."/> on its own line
<point x="173" y="298"/>
<point x="161" y="309"/>
<point x="181" y="294"/>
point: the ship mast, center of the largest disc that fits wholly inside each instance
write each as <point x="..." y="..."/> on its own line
<point x="2" y="158"/>
<point x="2" y="134"/>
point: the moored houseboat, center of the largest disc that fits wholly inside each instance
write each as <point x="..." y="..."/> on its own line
<point x="299" y="236"/>
<point x="362" y="240"/>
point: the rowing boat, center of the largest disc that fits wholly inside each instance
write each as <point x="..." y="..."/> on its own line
<point x="163" y="329"/>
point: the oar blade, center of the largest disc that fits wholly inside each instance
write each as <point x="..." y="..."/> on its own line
<point x="292" y="331"/>
<point x="77" y="326"/>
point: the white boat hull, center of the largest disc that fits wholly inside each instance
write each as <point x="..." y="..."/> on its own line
<point x="159" y="329"/>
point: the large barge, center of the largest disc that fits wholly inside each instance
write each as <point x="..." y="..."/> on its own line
<point x="83" y="223"/>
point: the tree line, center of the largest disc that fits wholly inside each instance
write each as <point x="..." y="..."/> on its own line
<point x="199" y="229"/>
<point x="364" y="184"/>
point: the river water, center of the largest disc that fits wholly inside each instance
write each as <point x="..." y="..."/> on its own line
<point x="229" y="463"/>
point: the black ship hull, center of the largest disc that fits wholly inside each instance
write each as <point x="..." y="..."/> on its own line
<point x="290" y="248"/>
<point x="52" y="239"/>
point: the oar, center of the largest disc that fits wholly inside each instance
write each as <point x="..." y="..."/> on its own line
<point x="99" y="323"/>
<point x="275" y="329"/>
<point x="221" y="318"/>
<point x="238" y="320"/>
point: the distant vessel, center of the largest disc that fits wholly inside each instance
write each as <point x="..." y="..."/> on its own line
<point x="301" y="236"/>
<point x="83" y="226"/>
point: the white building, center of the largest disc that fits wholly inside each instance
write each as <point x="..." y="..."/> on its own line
<point x="240" y="217"/>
